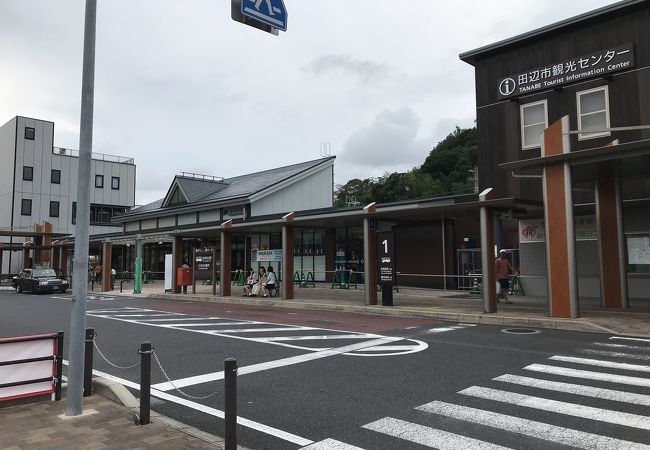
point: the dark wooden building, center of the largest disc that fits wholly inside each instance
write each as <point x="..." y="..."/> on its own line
<point x="590" y="75"/>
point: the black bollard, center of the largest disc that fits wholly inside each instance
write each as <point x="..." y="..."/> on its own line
<point x="88" y="362"/>
<point x="230" y="380"/>
<point x="59" y="366"/>
<point x="145" y="382"/>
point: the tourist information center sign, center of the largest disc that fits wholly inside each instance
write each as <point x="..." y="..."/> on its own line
<point x="596" y="64"/>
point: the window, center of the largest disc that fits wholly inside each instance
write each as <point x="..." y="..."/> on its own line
<point x="26" y="207"/>
<point x="28" y="173"/>
<point x="54" y="209"/>
<point x="74" y="213"/>
<point x="103" y="214"/>
<point x="99" y="181"/>
<point x="30" y="133"/>
<point x="534" y="119"/>
<point x="115" y="183"/>
<point x="56" y="176"/>
<point x="593" y="112"/>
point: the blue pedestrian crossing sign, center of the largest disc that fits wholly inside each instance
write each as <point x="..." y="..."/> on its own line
<point x="270" y="12"/>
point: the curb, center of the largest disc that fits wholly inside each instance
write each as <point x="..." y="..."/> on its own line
<point x="488" y="319"/>
<point x="116" y="392"/>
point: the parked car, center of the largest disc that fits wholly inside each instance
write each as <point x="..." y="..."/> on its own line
<point x="39" y="280"/>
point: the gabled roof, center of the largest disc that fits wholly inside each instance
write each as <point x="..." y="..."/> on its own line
<point x="202" y="190"/>
<point x="595" y="15"/>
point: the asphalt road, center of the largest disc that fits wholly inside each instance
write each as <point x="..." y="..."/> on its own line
<point x="325" y="380"/>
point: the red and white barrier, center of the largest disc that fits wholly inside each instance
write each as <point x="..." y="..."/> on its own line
<point x="31" y="366"/>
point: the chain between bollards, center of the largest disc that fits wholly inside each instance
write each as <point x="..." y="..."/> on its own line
<point x="145" y="382"/>
<point x="230" y="382"/>
<point x="88" y="362"/>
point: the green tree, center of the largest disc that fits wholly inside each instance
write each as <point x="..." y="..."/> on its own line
<point x="447" y="170"/>
<point x="452" y="161"/>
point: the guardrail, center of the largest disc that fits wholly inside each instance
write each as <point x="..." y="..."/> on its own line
<point x="31" y="366"/>
<point x="96" y="156"/>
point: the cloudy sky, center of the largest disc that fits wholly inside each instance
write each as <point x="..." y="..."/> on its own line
<point x="179" y="86"/>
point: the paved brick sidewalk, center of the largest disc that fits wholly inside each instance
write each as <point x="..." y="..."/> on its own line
<point x="37" y="425"/>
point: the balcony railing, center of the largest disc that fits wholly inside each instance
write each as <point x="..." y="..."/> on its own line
<point x="96" y="156"/>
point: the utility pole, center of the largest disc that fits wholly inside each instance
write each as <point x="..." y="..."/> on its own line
<point x="81" y="245"/>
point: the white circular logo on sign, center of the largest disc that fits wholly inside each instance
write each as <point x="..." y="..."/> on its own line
<point x="507" y="86"/>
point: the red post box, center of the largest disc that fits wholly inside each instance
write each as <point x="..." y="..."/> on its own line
<point x="183" y="276"/>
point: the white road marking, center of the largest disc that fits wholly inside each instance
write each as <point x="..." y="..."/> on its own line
<point x="317" y="338"/>
<point x="178" y="319"/>
<point x="119" y="310"/>
<point x="623" y="346"/>
<point x="630" y="339"/>
<point x="253" y="330"/>
<point x="589" y="375"/>
<point x="284" y="435"/>
<point x="428" y="436"/>
<point x="280" y="341"/>
<point x="385" y="348"/>
<point x="602" y="363"/>
<point x="616" y="354"/>
<point x="143" y="315"/>
<point x="209" y="324"/>
<point x="253" y="368"/>
<point x="531" y="428"/>
<point x="554" y="406"/>
<point x="330" y="444"/>
<point x="577" y="389"/>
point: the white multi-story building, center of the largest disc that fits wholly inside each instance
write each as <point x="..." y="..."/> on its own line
<point x="38" y="182"/>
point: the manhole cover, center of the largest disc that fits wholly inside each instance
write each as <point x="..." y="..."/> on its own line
<point x="520" y="331"/>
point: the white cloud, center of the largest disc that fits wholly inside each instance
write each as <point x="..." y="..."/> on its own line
<point x="179" y="86"/>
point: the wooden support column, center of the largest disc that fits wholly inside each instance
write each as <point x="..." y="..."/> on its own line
<point x="226" y="256"/>
<point x="370" y="255"/>
<point x="609" y="217"/>
<point x="56" y="252"/>
<point x="46" y="255"/>
<point x="560" y="232"/>
<point x="107" y="253"/>
<point x="177" y="258"/>
<point x="26" y="246"/>
<point x="489" y="279"/>
<point x="37" y="259"/>
<point x="287" y="257"/>
<point x="63" y="259"/>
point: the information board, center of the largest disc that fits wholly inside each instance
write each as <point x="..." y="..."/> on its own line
<point x="203" y="263"/>
<point x="386" y="258"/>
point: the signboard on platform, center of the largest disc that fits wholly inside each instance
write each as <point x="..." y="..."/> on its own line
<point x="386" y="258"/>
<point x="266" y="255"/>
<point x="203" y="263"/>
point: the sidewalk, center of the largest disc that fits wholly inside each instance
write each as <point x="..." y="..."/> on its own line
<point x="104" y="424"/>
<point x="459" y="306"/>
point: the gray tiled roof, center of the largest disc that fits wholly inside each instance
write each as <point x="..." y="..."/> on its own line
<point x="200" y="190"/>
<point x="195" y="189"/>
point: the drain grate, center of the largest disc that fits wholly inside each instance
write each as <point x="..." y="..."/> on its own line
<point x="520" y="331"/>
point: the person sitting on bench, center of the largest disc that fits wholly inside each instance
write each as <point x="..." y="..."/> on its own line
<point x="270" y="282"/>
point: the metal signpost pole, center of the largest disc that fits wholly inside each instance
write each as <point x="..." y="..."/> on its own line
<point x="80" y="290"/>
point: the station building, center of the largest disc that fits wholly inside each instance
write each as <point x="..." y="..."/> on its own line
<point x="563" y="117"/>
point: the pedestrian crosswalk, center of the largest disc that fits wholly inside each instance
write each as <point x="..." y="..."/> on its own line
<point x="598" y="402"/>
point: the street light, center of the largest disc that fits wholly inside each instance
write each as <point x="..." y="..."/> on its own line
<point x="80" y="263"/>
